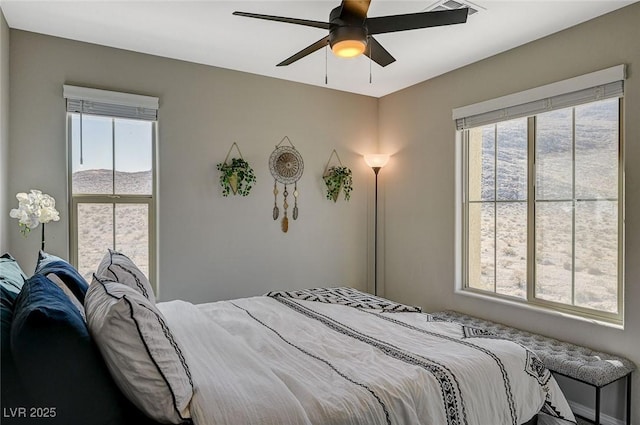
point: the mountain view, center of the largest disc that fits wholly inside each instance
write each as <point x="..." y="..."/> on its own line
<point x="123" y="227"/>
<point x="100" y="182"/>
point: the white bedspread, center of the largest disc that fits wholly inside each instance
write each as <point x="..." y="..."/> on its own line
<point x="279" y="361"/>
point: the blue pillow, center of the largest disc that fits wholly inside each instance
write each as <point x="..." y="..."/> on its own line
<point x="12" y="392"/>
<point x="45" y="258"/>
<point x="7" y="302"/>
<point x="48" y="263"/>
<point x="11" y="275"/>
<point x="58" y="361"/>
<point x="11" y="280"/>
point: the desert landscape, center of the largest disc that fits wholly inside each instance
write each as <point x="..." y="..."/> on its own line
<point x="581" y="271"/>
<point x="122" y="226"/>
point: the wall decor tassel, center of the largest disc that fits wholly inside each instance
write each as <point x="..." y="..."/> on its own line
<point x="285" y="205"/>
<point x="295" y="201"/>
<point x="276" y="210"/>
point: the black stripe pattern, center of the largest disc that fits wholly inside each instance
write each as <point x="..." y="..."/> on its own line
<point x="346" y="296"/>
<point x="500" y="364"/>
<point x="454" y="409"/>
<point x="139" y="284"/>
<point x="325" y="361"/>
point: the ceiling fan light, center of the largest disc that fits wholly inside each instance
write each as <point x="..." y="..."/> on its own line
<point x="349" y="48"/>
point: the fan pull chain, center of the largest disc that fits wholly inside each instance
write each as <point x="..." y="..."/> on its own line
<point x="285" y="205"/>
<point x="295" y="201"/>
<point x="370" y="55"/>
<point x="326" y="59"/>
<point x="276" y="210"/>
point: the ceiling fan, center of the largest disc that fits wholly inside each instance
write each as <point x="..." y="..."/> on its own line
<point x="351" y="31"/>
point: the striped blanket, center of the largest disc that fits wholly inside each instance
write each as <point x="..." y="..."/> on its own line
<point x="285" y="360"/>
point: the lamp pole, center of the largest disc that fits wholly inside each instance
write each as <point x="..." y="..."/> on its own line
<point x="376" y="170"/>
<point x="376" y="162"/>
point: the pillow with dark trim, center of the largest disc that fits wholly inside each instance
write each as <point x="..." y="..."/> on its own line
<point x="57" y="360"/>
<point x="11" y="275"/>
<point x="117" y="267"/>
<point x="153" y="373"/>
<point x="48" y="263"/>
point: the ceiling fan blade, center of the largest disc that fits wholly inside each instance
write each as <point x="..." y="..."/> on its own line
<point x="306" y="51"/>
<point x="305" y="22"/>
<point x="357" y="8"/>
<point x="377" y="53"/>
<point x="412" y="21"/>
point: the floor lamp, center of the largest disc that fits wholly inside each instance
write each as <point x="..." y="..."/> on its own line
<point x="376" y="162"/>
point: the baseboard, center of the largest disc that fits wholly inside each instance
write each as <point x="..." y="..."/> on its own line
<point x="589" y="413"/>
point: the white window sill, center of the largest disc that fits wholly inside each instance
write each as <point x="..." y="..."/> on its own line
<point x="523" y="305"/>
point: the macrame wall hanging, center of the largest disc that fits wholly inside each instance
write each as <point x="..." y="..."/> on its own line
<point x="286" y="166"/>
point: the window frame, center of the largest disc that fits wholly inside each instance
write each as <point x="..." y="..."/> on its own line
<point x="531" y="300"/>
<point x="150" y="200"/>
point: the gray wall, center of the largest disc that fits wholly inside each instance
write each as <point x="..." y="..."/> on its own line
<point x="210" y="247"/>
<point x="4" y="133"/>
<point x="420" y="224"/>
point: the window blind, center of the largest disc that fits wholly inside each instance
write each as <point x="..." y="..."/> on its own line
<point x="599" y="85"/>
<point x="109" y="103"/>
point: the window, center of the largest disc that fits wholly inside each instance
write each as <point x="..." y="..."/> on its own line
<point x="112" y="175"/>
<point x="497" y="208"/>
<point x="542" y="207"/>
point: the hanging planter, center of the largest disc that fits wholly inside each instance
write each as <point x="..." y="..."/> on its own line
<point x="236" y="175"/>
<point x="337" y="177"/>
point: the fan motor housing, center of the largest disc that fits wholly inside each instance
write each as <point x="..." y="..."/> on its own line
<point x="346" y="27"/>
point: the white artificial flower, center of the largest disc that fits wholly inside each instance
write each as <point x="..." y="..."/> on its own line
<point x="34" y="208"/>
<point x="48" y="210"/>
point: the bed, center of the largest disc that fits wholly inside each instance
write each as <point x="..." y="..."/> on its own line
<point x="316" y="356"/>
<point x="338" y="356"/>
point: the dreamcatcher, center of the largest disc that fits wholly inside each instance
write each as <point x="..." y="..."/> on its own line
<point x="286" y="166"/>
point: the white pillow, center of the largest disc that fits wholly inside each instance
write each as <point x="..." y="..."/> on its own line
<point x="116" y="266"/>
<point x="140" y="351"/>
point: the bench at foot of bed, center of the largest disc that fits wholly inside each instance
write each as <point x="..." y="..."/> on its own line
<point x="594" y="368"/>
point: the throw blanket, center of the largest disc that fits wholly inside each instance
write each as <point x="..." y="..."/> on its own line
<point x="346" y="296"/>
<point x="285" y="361"/>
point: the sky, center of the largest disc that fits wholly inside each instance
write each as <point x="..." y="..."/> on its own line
<point x="133" y="142"/>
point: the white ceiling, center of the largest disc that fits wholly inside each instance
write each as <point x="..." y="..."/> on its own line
<point x="205" y="32"/>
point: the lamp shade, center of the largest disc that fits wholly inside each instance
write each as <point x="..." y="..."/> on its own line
<point x="376" y="160"/>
